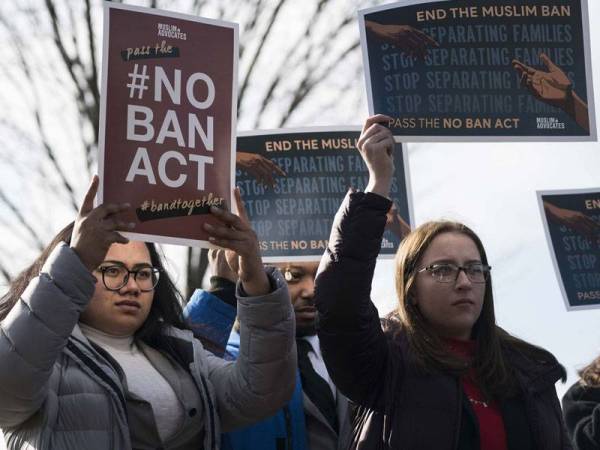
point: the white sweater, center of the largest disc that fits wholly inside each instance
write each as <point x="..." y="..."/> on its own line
<point x="142" y="379"/>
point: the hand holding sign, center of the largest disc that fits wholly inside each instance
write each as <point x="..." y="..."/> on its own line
<point x="219" y="265"/>
<point x="376" y="145"/>
<point x="95" y="228"/>
<point x="236" y="235"/>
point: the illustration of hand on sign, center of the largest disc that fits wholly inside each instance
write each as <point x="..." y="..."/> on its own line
<point x="395" y="223"/>
<point x="259" y="167"/>
<point x="575" y="220"/>
<point x="553" y="87"/>
<point x="404" y="37"/>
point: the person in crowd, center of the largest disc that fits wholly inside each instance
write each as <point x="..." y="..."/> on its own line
<point x="439" y="373"/>
<point x="581" y="406"/>
<point x="552" y="86"/>
<point x="211" y="313"/>
<point x="317" y="416"/>
<point x="94" y="352"/>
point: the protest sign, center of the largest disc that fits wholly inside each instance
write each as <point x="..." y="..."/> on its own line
<point x="491" y="70"/>
<point x="572" y="223"/>
<point x="167" y="120"/>
<point x="293" y="182"/>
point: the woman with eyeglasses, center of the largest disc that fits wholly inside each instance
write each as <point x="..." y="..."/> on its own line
<point x="94" y="353"/>
<point x="438" y="373"/>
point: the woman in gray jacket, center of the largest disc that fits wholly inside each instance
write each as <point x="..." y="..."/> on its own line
<point x="94" y="353"/>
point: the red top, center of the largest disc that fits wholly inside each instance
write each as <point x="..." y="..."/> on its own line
<point x="492" y="435"/>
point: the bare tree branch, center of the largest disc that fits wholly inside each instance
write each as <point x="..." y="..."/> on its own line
<point x="259" y="48"/>
<point x="5" y="273"/>
<point x="93" y="71"/>
<point x="72" y="64"/>
<point x="18" y="45"/>
<point x="313" y="52"/>
<point x="69" y="62"/>
<point x="309" y="81"/>
<point x="250" y="25"/>
<point x="198" y="5"/>
<point x="17" y="213"/>
<point x="268" y="97"/>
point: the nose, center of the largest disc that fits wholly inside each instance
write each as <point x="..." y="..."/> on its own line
<point x="462" y="280"/>
<point x="308" y="288"/>
<point x="131" y="286"/>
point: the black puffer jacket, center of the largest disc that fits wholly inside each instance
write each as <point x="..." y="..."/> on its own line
<point x="581" y="405"/>
<point x="397" y="407"/>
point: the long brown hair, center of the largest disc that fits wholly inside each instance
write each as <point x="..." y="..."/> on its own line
<point x="429" y="351"/>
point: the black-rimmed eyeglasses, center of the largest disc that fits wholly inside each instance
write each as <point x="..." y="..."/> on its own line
<point x="115" y="276"/>
<point x="448" y="272"/>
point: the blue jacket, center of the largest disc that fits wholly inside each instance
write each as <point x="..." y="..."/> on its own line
<point x="212" y="318"/>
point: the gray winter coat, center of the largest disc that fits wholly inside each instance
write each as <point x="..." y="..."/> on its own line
<point x="57" y="392"/>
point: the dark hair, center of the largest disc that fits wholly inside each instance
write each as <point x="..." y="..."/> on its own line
<point x="494" y="373"/>
<point x="166" y="307"/>
<point x="20" y="283"/>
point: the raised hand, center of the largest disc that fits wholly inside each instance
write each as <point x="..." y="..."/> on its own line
<point x="376" y="146"/>
<point x="218" y="264"/>
<point x="259" y="167"/>
<point x="404" y="37"/>
<point x="95" y="228"/>
<point x="237" y="236"/>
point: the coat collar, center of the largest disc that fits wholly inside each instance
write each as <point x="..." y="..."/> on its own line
<point x="536" y="370"/>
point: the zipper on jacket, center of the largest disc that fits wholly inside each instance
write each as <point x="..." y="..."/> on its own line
<point x="285" y="443"/>
<point x="459" y="403"/>
<point x="112" y="426"/>
<point x="534" y="426"/>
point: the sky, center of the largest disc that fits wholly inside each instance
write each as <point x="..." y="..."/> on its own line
<point x="492" y="188"/>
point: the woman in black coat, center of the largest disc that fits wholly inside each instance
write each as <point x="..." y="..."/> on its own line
<point x="439" y="374"/>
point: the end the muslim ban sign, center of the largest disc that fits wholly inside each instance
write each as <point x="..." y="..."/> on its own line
<point x="167" y="120"/>
<point x="485" y="70"/>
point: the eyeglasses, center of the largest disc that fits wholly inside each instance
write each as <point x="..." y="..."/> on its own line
<point x="116" y="276"/>
<point x="448" y="272"/>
